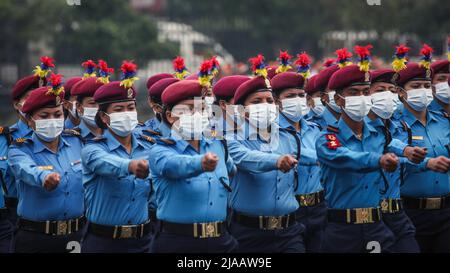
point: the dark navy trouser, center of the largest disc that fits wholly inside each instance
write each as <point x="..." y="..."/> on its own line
<point x="34" y="242"/>
<point x="173" y="243"/>
<point x="404" y="231"/>
<point x="432" y="229"/>
<point x="6" y="232"/>
<point x="99" y="244"/>
<point x="357" y="238"/>
<point x="252" y="240"/>
<point x="314" y="218"/>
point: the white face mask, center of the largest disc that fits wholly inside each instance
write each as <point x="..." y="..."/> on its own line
<point x="123" y="123"/>
<point x="396" y="101"/>
<point x="383" y="104"/>
<point x="294" y="108"/>
<point x="418" y="99"/>
<point x="357" y="107"/>
<point x="234" y="115"/>
<point x="262" y="115"/>
<point x="443" y="92"/>
<point x="49" y="129"/>
<point x="332" y="103"/>
<point x="192" y="126"/>
<point x="429" y="93"/>
<point x="89" y="115"/>
<point x="318" y="106"/>
<point x="73" y="111"/>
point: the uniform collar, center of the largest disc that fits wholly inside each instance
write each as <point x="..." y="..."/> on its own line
<point x="410" y="119"/>
<point x="182" y="144"/>
<point x="435" y="106"/>
<point x="38" y="146"/>
<point x="22" y="127"/>
<point x="329" y="118"/>
<point x="347" y="133"/>
<point x="114" y="144"/>
<point x="85" y="131"/>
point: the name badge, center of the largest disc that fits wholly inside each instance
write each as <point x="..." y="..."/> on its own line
<point x="417" y="138"/>
<point x="45" y="168"/>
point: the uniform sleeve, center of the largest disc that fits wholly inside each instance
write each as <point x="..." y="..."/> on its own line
<point x="397" y="147"/>
<point x="252" y="160"/>
<point x="308" y="157"/>
<point x="346" y="159"/>
<point x="25" y="169"/>
<point x="98" y="161"/>
<point x="231" y="168"/>
<point x="165" y="162"/>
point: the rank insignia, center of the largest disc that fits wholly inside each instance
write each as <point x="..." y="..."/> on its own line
<point x="333" y="142"/>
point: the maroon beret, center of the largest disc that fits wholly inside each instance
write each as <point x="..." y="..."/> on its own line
<point x="113" y="92"/>
<point x="441" y="66"/>
<point x="348" y="76"/>
<point x="310" y="85"/>
<point x="414" y="72"/>
<point x="251" y="86"/>
<point x="321" y="82"/>
<point x="26" y="84"/>
<point x="70" y="83"/>
<point x="227" y="86"/>
<point x="155" y="78"/>
<point x="86" y="87"/>
<point x="158" y="88"/>
<point x="287" y="80"/>
<point x="182" y="90"/>
<point x="383" y="75"/>
<point x="40" y="98"/>
<point x="271" y="71"/>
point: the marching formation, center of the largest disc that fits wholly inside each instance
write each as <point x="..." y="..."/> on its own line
<point x="348" y="160"/>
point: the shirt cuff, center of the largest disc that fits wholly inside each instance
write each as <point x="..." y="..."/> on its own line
<point x="374" y="161"/>
<point x="124" y="166"/>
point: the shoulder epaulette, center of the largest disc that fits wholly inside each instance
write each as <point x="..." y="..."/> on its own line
<point x="140" y="123"/>
<point x="167" y="141"/>
<point x="6" y="130"/>
<point x="21" y="140"/>
<point x="148" y="138"/>
<point x="72" y="132"/>
<point x="152" y="132"/>
<point x="97" y="139"/>
<point x="333" y="129"/>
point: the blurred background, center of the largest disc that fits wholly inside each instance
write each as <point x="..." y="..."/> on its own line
<point x="153" y="32"/>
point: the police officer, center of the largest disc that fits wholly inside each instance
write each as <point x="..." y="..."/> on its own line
<point x="87" y="107"/>
<point x="263" y="201"/>
<point x="191" y="177"/>
<point x="425" y="193"/>
<point x="316" y="107"/>
<point x="20" y="129"/>
<point x="116" y="173"/>
<point x="70" y="104"/>
<point x="47" y="168"/>
<point x="381" y="91"/>
<point x="154" y="101"/>
<point x="441" y="89"/>
<point x="351" y="157"/>
<point x="290" y="95"/>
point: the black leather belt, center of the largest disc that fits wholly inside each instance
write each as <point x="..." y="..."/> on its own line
<point x="120" y="232"/>
<point x="11" y="202"/>
<point x="55" y="228"/>
<point x="312" y="199"/>
<point x="433" y="203"/>
<point x="196" y="230"/>
<point x="264" y="222"/>
<point x="391" y="206"/>
<point x="152" y="215"/>
<point x="355" y="216"/>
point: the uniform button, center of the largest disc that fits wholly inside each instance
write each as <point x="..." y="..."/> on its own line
<point x="366" y="187"/>
<point x="279" y="179"/>
<point x="437" y="182"/>
<point x="278" y="198"/>
<point x="67" y="193"/>
<point x="65" y="213"/>
<point x="210" y="203"/>
<point x="133" y="199"/>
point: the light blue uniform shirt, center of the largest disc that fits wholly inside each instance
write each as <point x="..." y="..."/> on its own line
<point x="85" y="133"/>
<point x="329" y="119"/>
<point x="31" y="162"/>
<point x="309" y="175"/>
<point x="68" y="124"/>
<point x="184" y="192"/>
<point x="113" y="195"/>
<point x="318" y="119"/>
<point x="259" y="188"/>
<point x="3" y="166"/>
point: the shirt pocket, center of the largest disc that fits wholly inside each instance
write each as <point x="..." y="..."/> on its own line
<point x="75" y="177"/>
<point x="444" y="147"/>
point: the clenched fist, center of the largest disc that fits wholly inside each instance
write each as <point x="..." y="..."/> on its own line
<point x="286" y="162"/>
<point x="415" y="154"/>
<point x="439" y="164"/>
<point x="139" y="168"/>
<point x="51" y="181"/>
<point x="389" y="162"/>
<point x="209" y="162"/>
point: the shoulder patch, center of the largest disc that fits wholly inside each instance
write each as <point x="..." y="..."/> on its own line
<point x="333" y="142"/>
<point x="21" y="140"/>
<point x="333" y="129"/>
<point x="6" y="130"/>
<point x="152" y="132"/>
<point x="148" y="138"/>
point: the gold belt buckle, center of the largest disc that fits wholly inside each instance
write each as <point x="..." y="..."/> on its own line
<point x="364" y="216"/>
<point x="385" y="206"/>
<point x="433" y="203"/>
<point x="62" y="228"/>
<point x="126" y="232"/>
<point x="308" y="200"/>
<point x="209" y="230"/>
<point x="274" y="222"/>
